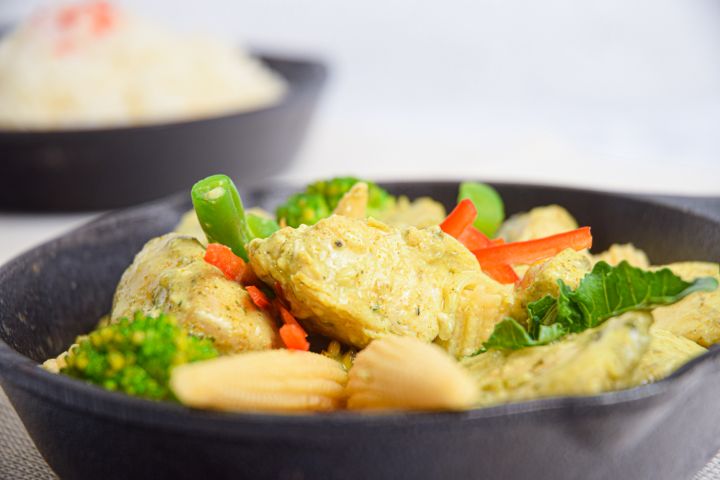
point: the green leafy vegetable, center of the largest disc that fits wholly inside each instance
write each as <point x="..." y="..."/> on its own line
<point x="136" y="357"/>
<point x="604" y="293"/>
<point x="509" y="335"/>
<point x="489" y="205"/>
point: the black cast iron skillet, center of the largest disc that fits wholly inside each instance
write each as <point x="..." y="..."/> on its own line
<point x="105" y="168"/>
<point x="666" y="430"/>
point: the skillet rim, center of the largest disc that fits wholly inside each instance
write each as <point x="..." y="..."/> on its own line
<point x="22" y="372"/>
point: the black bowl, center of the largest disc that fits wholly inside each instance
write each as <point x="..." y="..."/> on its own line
<point x="666" y="430"/>
<point x="115" y="167"/>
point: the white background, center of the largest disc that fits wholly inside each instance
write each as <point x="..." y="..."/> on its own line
<point x="614" y="94"/>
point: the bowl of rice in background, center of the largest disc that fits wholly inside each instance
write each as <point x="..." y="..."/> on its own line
<point x="101" y="109"/>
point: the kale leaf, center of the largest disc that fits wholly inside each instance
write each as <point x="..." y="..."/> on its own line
<point x="603" y="293"/>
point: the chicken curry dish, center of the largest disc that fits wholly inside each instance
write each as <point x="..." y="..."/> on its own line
<point x="347" y="297"/>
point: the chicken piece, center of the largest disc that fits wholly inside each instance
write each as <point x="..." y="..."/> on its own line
<point x="542" y="278"/>
<point x="354" y="202"/>
<point x="626" y="251"/>
<point x="480" y="307"/>
<point x="169" y="275"/>
<point x="697" y="316"/>
<point x="667" y="353"/>
<point x="358" y="279"/>
<point x="537" y="223"/>
<point x="421" y="212"/>
<point x="588" y="363"/>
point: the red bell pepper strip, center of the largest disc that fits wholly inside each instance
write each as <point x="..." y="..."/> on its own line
<point x="294" y="337"/>
<point x="223" y="258"/>
<point x="501" y="273"/>
<point x="258" y="297"/>
<point x="461" y="216"/>
<point x="280" y="296"/>
<point x="473" y="238"/>
<point x="292" y="334"/>
<point x="286" y="316"/>
<point x="531" y="251"/>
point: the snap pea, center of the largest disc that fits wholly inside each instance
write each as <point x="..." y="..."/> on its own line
<point x="261" y="227"/>
<point x="489" y="205"/>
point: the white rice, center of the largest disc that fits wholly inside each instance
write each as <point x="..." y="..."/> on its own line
<point x="126" y="71"/>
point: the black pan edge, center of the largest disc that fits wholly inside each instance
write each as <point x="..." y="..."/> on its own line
<point x="95" y="401"/>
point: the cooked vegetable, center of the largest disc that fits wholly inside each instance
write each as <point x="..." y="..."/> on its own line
<point x="221" y="213"/>
<point x="340" y="353"/>
<point x="136" y="357"/>
<point x="473" y="238"/>
<point x="406" y="373"/>
<point x="322" y="197"/>
<point x="497" y="258"/>
<point x="269" y="381"/>
<point x="261" y="227"/>
<point x="459" y="219"/>
<point x="303" y="209"/>
<point x="459" y="225"/>
<point x="502" y="273"/>
<point x="334" y="189"/>
<point x="292" y="334"/>
<point x="609" y="291"/>
<point x="258" y="297"/>
<point x="531" y="251"/>
<point x="223" y="258"/>
<point x="294" y="337"/>
<point x="489" y="205"/>
<point x="604" y="293"/>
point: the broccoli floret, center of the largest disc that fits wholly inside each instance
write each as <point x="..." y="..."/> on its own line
<point x="321" y="198"/>
<point x="303" y="209"/>
<point x="334" y="189"/>
<point x="135" y="357"/>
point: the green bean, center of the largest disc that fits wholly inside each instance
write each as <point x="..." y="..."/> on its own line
<point x="221" y="214"/>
